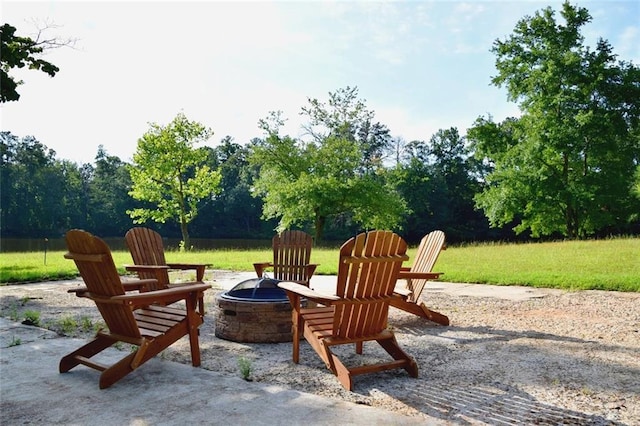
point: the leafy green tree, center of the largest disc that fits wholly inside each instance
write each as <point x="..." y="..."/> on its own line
<point x="169" y="173"/>
<point x="18" y="52"/>
<point x="67" y="197"/>
<point x="439" y="179"/>
<point x="41" y="196"/>
<point x="346" y="116"/>
<point x="458" y="174"/>
<point x="28" y="162"/>
<point x="109" y="183"/>
<point x="236" y="211"/>
<point x="328" y="178"/>
<point x="415" y="181"/>
<point x="9" y="179"/>
<point x="566" y="165"/>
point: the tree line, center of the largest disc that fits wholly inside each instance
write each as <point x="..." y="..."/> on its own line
<point x="43" y="196"/>
<point x="568" y="167"/>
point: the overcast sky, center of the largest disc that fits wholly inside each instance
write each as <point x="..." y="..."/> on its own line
<point x="421" y="66"/>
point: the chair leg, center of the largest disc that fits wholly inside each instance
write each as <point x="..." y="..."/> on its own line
<point x="201" y="310"/>
<point x="295" y="335"/>
<point x="98" y="344"/>
<point x="195" y="346"/>
<point x="194" y="320"/>
<point x="296" y="324"/>
<point x="200" y="269"/>
<point x="434" y="316"/>
<point x="420" y="310"/>
<point x="117" y="371"/>
<point x="147" y="351"/>
<point x="391" y="346"/>
<point x="342" y="373"/>
<point x="110" y="374"/>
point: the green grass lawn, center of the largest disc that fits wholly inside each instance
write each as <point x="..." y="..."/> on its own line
<point x="612" y="264"/>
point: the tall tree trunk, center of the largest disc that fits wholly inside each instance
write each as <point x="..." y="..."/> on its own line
<point x="319" y="227"/>
<point x="185" y="233"/>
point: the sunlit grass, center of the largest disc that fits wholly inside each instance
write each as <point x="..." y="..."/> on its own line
<point x="612" y="264"/>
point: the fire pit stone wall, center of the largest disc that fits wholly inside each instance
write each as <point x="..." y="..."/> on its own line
<point x="261" y="322"/>
<point x="255" y="311"/>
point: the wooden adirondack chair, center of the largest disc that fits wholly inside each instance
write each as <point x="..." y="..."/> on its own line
<point x="132" y="317"/>
<point x="367" y="273"/>
<point x="147" y="252"/>
<point x="291" y="256"/>
<point x="416" y="276"/>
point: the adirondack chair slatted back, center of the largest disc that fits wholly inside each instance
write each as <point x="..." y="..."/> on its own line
<point x="291" y="255"/>
<point x="426" y="257"/>
<point x="146" y="248"/>
<point x="95" y="264"/>
<point x="369" y="264"/>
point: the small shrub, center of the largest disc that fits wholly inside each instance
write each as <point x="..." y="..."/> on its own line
<point x="85" y="323"/>
<point x="15" y="341"/>
<point x="67" y="324"/>
<point x="245" y="368"/>
<point x="98" y="326"/>
<point x="31" y="318"/>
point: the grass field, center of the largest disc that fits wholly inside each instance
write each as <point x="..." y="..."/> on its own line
<point x="612" y="264"/>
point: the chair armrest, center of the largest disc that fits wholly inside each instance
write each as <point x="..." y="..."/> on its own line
<point x="311" y="269"/>
<point x="146" y="268"/>
<point x="84" y="292"/>
<point x="419" y="275"/>
<point x="404" y="292"/>
<point x="198" y="267"/>
<point x="140" y="285"/>
<point x="260" y="267"/>
<point x="160" y="272"/>
<point x="163" y="295"/>
<point x="186" y="266"/>
<point x="305" y="291"/>
<point x="405" y="268"/>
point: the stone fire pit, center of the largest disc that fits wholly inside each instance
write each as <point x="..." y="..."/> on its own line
<point x="255" y="311"/>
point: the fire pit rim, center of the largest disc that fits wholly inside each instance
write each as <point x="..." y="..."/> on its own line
<point x="265" y="288"/>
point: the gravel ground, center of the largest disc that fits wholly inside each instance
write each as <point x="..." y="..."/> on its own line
<point x="564" y="358"/>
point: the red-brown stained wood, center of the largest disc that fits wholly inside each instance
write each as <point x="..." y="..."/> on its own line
<point x="136" y="318"/>
<point x="291" y="258"/>
<point x="147" y="250"/>
<point x="416" y="277"/>
<point x="368" y="268"/>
